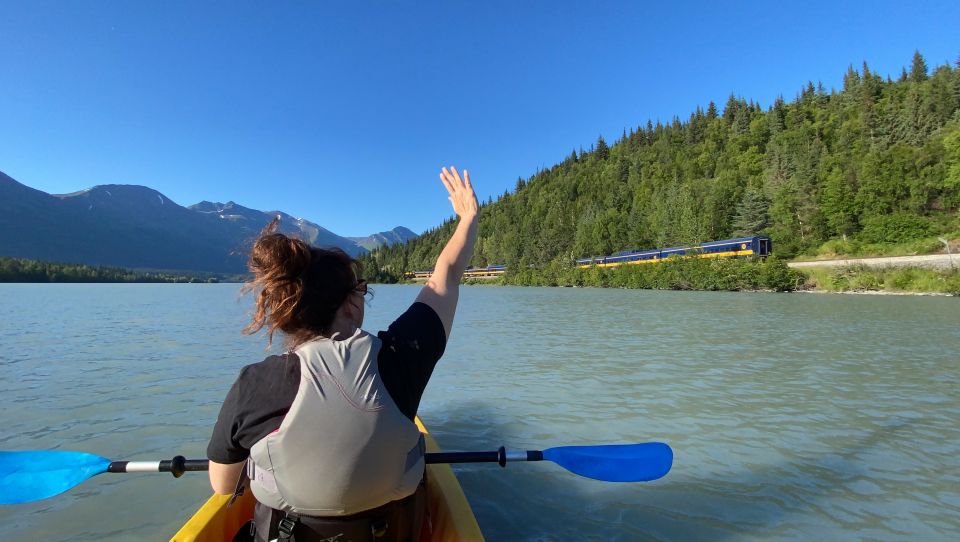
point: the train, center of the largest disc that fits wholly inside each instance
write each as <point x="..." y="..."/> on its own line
<point x="473" y="272"/>
<point x="757" y="245"/>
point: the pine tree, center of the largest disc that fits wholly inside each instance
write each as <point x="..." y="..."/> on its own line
<point x="918" y="71"/>
<point x="602" y="150"/>
<point x="836" y="201"/>
<point x="851" y="80"/>
<point x="751" y="217"/>
<point x="730" y="110"/>
<point x="777" y="116"/>
<point x="712" y="109"/>
<point x="623" y="169"/>
<point x="956" y="80"/>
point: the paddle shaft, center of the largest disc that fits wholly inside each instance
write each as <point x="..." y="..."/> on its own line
<point x="176" y="466"/>
<point x="179" y="464"/>
<point x="27" y="476"/>
<point x="501" y="456"/>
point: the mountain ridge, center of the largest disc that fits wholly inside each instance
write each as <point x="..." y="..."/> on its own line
<point x="398" y="235"/>
<point x="138" y="227"/>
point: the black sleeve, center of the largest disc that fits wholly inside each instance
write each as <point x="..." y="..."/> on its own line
<point x="255" y="406"/>
<point x="412" y="345"/>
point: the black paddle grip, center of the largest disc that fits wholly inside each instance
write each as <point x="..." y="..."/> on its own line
<point x="179" y="465"/>
<point x="499" y="456"/>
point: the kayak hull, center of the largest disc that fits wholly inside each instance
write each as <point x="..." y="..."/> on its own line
<point x="451" y="518"/>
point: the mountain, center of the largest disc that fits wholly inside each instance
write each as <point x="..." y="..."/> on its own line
<point x="251" y="221"/>
<point x="137" y="227"/>
<point x="117" y="225"/>
<point x="398" y="235"/>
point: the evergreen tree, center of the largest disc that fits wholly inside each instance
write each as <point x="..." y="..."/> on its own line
<point x="751" y="215"/>
<point x="730" y="110"/>
<point x="711" y="111"/>
<point x="602" y="152"/>
<point x="623" y="169"/>
<point x="918" y="71"/>
<point x="837" y="203"/>
<point x="777" y="116"/>
<point x="851" y="80"/>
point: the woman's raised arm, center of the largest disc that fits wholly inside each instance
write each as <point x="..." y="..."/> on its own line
<point x="443" y="288"/>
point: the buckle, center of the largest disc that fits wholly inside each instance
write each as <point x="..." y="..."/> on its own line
<point x="286" y="526"/>
<point x="379" y="528"/>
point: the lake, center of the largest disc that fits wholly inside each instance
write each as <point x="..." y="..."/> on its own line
<point x="791" y="416"/>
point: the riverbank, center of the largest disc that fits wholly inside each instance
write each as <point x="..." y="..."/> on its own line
<point x="672" y="274"/>
<point x="883" y="280"/>
<point x="743" y="275"/>
<point x="21" y="270"/>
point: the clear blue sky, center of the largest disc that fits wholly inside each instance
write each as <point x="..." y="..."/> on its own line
<point x="343" y="113"/>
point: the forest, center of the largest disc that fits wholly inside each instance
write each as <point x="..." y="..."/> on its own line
<point x="23" y="270"/>
<point x="854" y="170"/>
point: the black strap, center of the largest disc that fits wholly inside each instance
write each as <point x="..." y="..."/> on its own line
<point x="286" y="527"/>
<point x="378" y="527"/>
<point x="241" y="483"/>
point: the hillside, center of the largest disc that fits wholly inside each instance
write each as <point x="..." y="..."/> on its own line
<point x="875" y="162"/>
<point x="137" y="227"/>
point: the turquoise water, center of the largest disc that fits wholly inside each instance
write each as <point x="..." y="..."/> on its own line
<point x="792" y="416"/>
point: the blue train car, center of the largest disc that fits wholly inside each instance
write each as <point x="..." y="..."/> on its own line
<point x="676" y="251"/>
<point x="758" y="245"/>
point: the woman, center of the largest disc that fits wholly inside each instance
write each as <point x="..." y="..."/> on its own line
<point x="326" y="430"/>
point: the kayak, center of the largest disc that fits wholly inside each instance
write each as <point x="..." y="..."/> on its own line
<point x="451" y="518"/>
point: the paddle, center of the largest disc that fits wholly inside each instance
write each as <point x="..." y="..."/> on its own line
<point x="609" y="462"/>
<point x="33" y="475"/>
<point x="27" y="476"/>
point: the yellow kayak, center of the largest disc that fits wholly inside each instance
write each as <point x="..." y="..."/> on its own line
<point x="451" y="518"/>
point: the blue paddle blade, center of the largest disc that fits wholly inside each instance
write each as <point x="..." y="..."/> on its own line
<point x="34" y="475"/>
<point x="615" y="462"/>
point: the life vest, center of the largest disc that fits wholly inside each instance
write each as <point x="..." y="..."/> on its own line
<point x="344" y="446"/>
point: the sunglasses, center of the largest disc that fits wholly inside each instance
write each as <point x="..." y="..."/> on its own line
<point x="361" y="287"/>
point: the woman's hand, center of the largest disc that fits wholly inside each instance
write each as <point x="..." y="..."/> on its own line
<point x="462" y="197"/>
<point x="442" y="289"/>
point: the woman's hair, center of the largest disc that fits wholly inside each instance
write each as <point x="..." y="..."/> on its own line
<point x="298" y="288"/>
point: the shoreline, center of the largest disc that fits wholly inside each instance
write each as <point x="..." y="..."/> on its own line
<point x="796" y="291"/>
<point x="874" y="292"/>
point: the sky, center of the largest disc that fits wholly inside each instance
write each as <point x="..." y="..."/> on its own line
<point x="343" y="113"/>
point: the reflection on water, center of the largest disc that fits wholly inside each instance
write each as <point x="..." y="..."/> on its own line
<point x="791" y="416"/>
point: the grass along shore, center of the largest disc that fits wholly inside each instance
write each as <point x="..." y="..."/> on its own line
<point x="862" y="279"/>
<point x="740" y="275"/>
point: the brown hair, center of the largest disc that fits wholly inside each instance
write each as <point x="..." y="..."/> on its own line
<point x="298" y="288"/>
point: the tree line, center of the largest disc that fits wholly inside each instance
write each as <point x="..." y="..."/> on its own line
<point x="23" y="270"/>
<point x="877" y="161"/>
